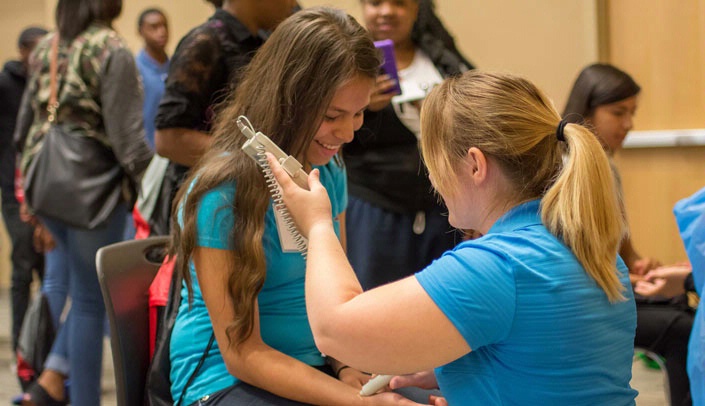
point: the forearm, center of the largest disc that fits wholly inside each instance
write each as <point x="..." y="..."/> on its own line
<point x="330" y="280"/>
<point x="628" y="253"/>
<point x="275" y="372"/>
<point x="182" y="145"/>
<point x="633" y="279"/>
<point x="25" y="116"/>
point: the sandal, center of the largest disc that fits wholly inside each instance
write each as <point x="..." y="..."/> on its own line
<point x="39" y="397"/>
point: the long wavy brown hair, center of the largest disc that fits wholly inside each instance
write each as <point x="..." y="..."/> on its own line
<point x="285" y="92"/>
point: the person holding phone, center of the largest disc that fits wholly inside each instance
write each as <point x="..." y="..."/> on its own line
<point x="537" y="311"/>
<point x="307" y="89"/>
<point x="396" y="225"/>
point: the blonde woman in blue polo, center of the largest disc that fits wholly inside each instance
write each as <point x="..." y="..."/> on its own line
<point x="538" y="311"/>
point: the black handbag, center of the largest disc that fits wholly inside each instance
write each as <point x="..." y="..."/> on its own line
<point x="73" y="178"/>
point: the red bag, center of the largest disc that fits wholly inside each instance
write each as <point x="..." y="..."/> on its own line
<point x="141" y="225"/>
<point x="19" y="189"/>
<point x="158" y="298"/>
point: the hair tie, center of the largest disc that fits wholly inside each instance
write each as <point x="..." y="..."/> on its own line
<point x="559" y="131"/>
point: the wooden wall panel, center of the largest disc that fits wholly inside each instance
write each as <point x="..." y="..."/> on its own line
<point x="548" y="41"/>
<point x="661" y="43"/>
<point x="654" y="179"/>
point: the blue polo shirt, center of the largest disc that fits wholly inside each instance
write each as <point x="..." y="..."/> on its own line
<point x="282" y="306"/>
<point x="542" y="332"/>
<point x="153" y="76"/>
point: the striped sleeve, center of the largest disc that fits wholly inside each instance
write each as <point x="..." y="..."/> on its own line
<point x="475" y="288"/>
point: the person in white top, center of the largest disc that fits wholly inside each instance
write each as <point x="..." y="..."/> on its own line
<point x="395" y="223"/>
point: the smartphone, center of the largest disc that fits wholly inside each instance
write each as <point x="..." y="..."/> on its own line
<point x="389" y="63"/>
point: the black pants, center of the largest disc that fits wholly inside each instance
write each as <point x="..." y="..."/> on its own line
<point x="383" y="247"/>
<point x="25" y="260"/>
<point x="664" y="328"/>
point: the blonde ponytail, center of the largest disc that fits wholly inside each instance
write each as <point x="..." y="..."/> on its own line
<point x="581" y="208"/>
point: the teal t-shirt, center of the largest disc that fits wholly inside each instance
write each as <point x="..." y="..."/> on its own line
<point x="542" y="332"/>
<point x="282" y="307"/>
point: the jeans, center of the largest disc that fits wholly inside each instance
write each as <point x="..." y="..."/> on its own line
<point x="78" y="347"/>
<point x="25" y="261"/>
<point x="55" y="285"/>
<point x="247" y="395"/>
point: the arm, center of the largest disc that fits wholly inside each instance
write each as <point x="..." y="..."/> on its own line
<point x="182" y="145"/>
<point x="121" y="99"/>
<point x="348" y="374"/>
<point x="343" y="231"/>
<point x="384" y="330"/>
<point x="195" y="75"/>
<point x="25" y="116"/>
<point x="668" y="281"/>
<point x="637" y="265"/>
<point x="255" y="362"/>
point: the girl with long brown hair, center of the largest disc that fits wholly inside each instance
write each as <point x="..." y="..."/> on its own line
<point x="306" y="89"/>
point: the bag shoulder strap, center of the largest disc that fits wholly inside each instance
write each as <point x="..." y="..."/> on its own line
<point x="198" y="367"/>
<point x="53" y="105"/>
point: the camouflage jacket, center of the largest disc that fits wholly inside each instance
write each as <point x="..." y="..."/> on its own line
<point x="99" y="95"/>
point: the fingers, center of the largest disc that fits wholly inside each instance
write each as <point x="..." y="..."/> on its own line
<point x="424" y="380"/>
<point x="654" y="274"/>
<point x="673" y="271"/>
<point x="642" y="266"/>
<point x="649" y="288"/>
<point x="279" y="173"/>
<point x="384" y="84"/>
<point x="314" y="179"/>
<point x="285" y="181"/>
<point x="381" y="95"/>
<point x="401" y="382"/>
<point x="438" y="401"/>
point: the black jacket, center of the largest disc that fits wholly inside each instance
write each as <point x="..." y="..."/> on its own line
<point x="384" y="162"/>
<point x="13" y="79"/>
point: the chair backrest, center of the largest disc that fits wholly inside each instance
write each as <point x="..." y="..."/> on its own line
<point x="125" y="271"/>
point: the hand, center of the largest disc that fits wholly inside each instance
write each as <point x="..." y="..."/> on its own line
<point x="353" y="377"/>
<point x="26" y="216"/>
<point x="390" y="398"/>
<point x="379" y="98"/>
<point x="438" y="401"/>
<point x="643" y="265"/>
<point x="666" y="281"/>
<point x="42" y="239"/>
<point x="307" y="207"/>
<point x="423" y="380"/>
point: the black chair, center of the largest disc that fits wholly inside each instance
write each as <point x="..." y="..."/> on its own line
<point x="125" y="272"/>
